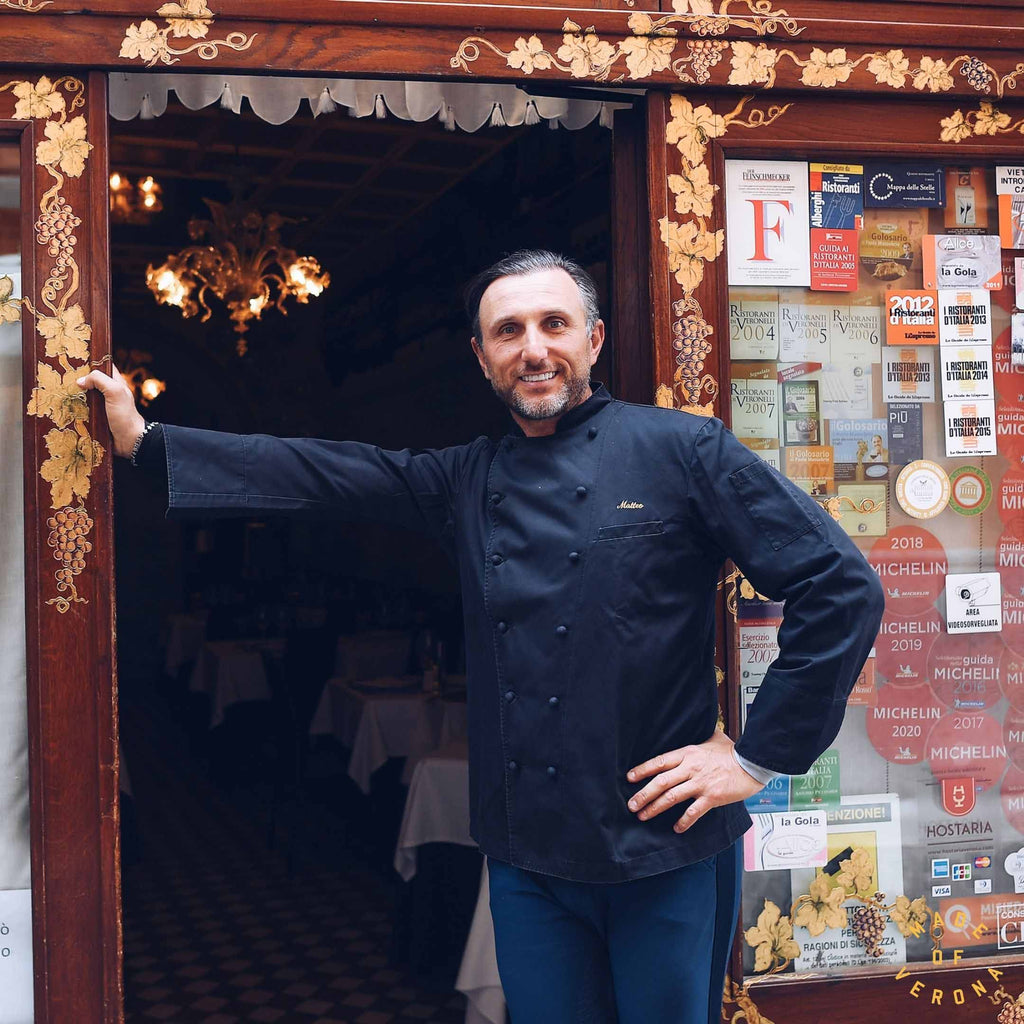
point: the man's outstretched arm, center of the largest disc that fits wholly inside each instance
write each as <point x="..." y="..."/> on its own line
<point x="222" y="474"/>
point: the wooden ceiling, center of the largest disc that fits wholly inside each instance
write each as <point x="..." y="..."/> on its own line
<point x="351" y="182"/>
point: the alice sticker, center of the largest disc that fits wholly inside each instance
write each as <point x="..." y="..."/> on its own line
<point x="970" y="490"/>
<point x="922" y="489"/>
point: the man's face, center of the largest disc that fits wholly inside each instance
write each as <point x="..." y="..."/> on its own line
<point x="535" y="348"/>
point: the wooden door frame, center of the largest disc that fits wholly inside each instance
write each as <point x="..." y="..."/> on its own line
<point x="689" y="68"/>
<point x="71" y="673"/>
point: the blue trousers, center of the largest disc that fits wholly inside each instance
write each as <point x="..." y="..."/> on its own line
<point x="648" y="951"/>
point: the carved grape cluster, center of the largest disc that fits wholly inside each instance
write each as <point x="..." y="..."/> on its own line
<point x="977" y="73"/>
<point x="691" y="338"/>
<point x="709" y="26"/>
<point x="1011" y="1013"/>
<point x="56" y="229"/>
<point x="704" y="55"/>
<point x="68" y="530"/>
<point x="869" y="926"/>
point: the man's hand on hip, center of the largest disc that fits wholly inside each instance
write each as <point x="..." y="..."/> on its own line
<point x="705" y="773"/>
<point x="125" y="421"/>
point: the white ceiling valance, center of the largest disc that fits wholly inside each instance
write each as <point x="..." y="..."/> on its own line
<point x="468" y="106"/>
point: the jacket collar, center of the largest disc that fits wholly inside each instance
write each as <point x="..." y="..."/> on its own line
<point x="577" y="415"/>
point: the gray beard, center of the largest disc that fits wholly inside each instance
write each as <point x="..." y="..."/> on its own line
<point x="568" y="396"/>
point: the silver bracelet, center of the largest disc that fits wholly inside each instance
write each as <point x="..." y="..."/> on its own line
<point x="138" y="442"/>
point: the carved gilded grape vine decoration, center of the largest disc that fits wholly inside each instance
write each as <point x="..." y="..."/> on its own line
<point x="27" y="6"/>
<point x="188" y="19"/>
<point x="61" y="322"/>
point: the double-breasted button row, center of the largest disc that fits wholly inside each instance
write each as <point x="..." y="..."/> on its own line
<point x="552" y="770"/>
<point x="496" y="559"/>
<point x="510" y="696"/>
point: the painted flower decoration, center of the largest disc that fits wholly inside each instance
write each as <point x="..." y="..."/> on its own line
<point x="772" y="938"/>
<point x="822" y="907"/>
<point x="646" y="54"/>
<point x="65" y="146"/>
<point x="10" y="308"/>
<point x="912" y="918"/>
<point x="528" y="55"/>
<point x="583" y="51"/>
<point x="66" y="334"/>
<point x="693" y="6"/>
<point x="688" y="248"/>
<point x="189" y="18"/>
<point x="58" y="398"/>
<point x="67" y="470"/>
<point x="144" y="41"/>
<point x="826" y="69"/>
<point x="955" y="127"/>
<point x="989" y="120"/>
<point x="693" y="190"/>
<point x="857" y="873"/>
<point x="890" y="68"/>
<point x="692" y="127"/>
<point x="39" y="100"/>
<point x="752" y="64"/>
<point x="933" y="75"/>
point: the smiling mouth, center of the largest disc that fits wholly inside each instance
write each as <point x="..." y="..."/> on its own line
<point x="537" y="378"/>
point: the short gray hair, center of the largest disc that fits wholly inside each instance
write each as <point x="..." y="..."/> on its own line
<point x="529" y="261"/>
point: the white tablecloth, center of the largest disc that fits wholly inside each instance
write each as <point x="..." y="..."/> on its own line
<point x="440" y="722"/>
<point x="376" y="719"/>
<point x="478" y="977"/>
<point x="437" y="807"/>
<point x="185" y="635"/>
<point x="231" y="671"/>
<point x="437" y="811"/>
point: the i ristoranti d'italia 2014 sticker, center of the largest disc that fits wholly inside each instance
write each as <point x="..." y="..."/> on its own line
<point x="922" y="489"/>
<point x="970" y="490"/>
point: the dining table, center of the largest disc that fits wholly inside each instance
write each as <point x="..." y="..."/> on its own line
<point x="437" y="811"/>
<point x="232" y="671"/>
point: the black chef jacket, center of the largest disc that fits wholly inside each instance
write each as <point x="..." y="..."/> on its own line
<point x="589" y="561"/>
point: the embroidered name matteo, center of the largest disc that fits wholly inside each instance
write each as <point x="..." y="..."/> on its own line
<point x="630" y="504"/>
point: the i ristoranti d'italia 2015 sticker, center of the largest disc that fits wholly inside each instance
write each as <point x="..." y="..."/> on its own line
<point x="970" y="490"/>
<point x="922" y="489"/>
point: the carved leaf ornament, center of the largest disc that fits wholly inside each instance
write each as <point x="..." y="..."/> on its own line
<point x="189" y="19"/>
<point x="72" y="453"/>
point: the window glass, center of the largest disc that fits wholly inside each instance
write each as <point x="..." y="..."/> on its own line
<point x="875" y="363"/>
<point x="15" y="878"/>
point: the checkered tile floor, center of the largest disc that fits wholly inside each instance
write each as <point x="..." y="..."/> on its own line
<point x="217" y="932"/>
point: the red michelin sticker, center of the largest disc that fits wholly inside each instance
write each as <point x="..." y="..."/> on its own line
<point x="901" y="721"/>
<point x="967" y="744"/>
<point x="903" y="644"/>
<point x="965" y="669"/>
<point x="912" y="566"/>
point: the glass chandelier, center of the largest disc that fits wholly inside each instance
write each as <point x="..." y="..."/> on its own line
<point x="238" y="256"/>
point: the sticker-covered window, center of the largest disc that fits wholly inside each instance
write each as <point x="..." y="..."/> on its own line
<point x="877" y="358"/>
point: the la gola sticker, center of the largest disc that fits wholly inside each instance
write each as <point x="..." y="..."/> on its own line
<point x="974" y="603"/>
<point x="970" y="490"/>
<point x="912" y="565"/>
<point x="911" y="317"/>
<point x="970" y="427"/>
<point x="922" y="489"/>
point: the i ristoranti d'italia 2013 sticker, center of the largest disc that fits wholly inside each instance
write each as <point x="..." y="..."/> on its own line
<point x="970" y="490"/>
<point x="922" y="489"/>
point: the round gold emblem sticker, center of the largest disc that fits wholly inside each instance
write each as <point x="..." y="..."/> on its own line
<point x="922" y="489"/>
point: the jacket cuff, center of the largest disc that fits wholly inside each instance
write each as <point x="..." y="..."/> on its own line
<point x="755" y="771"/>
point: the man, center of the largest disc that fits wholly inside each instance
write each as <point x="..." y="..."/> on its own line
<point x="589" y="542"/>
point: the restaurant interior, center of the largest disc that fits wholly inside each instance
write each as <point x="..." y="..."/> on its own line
<point x="295" y="834"/>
